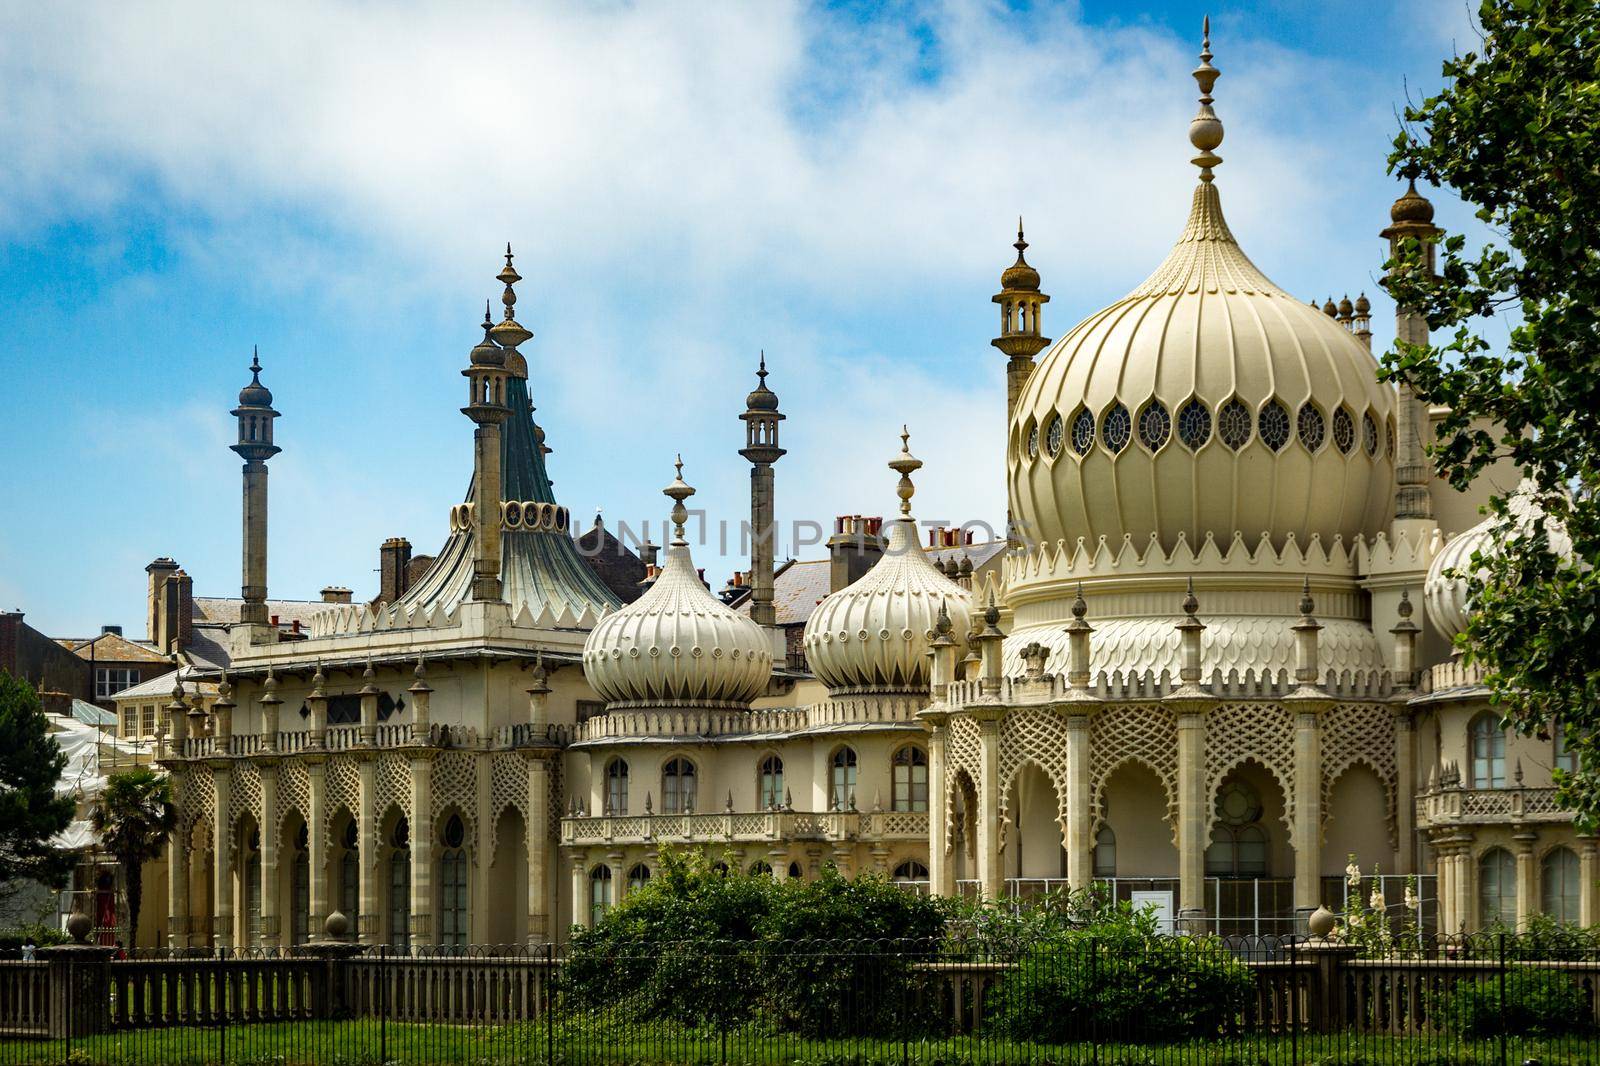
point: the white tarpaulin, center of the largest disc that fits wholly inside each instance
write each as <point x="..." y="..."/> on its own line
<point x="83" y="778"/>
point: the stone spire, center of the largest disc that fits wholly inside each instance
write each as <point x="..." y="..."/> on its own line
<point x="1020" y="339"/>
<point x="905" y="464"/>
<point x="761" y="418"/>
<point x="486" y="375"/>
<point x="1410" y="218"/>
<point x="255" y="416"/>
<point x="1205" y="129"/>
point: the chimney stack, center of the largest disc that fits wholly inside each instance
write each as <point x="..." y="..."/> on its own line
<point x="155" y="600"/>
<point x="394" y="570"/>
<point x="336" y="594"/>
<point x="856" y="544"/>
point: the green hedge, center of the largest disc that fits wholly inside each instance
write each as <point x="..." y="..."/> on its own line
<point x="1533" y="1002"/>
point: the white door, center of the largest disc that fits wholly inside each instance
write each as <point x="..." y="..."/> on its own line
<point x="1160" y="902"/>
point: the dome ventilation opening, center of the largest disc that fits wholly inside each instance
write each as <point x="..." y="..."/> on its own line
<point x="1116" y="429"/>
<point x="1052" y="437"/>
<point x="1233" y="424"/>
<point x="1083" y="432"/>
<point x="1194" y="425"/>
<point x="1274" y="425"/>
<point x="1310" y="427"/>
<point x="1155" y="426"/>
<point x="1344" y="430"/>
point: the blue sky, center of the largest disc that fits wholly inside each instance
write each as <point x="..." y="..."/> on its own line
<point x="684" y="184"/>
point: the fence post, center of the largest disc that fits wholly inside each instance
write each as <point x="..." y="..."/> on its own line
<point x="550" y="1004"/>
<point x="80" y="983"/>
<point x="383" y="1003"/>
<point x="1326" y="1007"/>
<point x="1293" y="987"/>
<point x="335" y="952"/>
<point x="1500" y="946"/>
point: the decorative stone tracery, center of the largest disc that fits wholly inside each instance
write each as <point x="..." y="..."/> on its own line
<point x="1140" y="733"/>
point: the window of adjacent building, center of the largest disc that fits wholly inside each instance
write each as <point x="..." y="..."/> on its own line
<point x="1488" y="743"/>
<point x="1565" y="758"/>
<point x="599" y="893"/>
<point x="350" y="874"/>
<point x="769" y="784"/>
<point x="148" y="720"/>
<point x="616" y="787"/>
<point x="400" y="885"/>
<point x="843" y="779"/>
<point x="453" y="884"/>
<point x="1105" y="852"/>
<point x="638" y="877"/>
<point x="1558" y="885"/>
<point x="588" y="709"/>
<point x="110" y="680"/>
<point x="910" y="780"/>
<point x="1497" y="888"/>
<point x="677" y="786"/>
<point x="130" y="721"/>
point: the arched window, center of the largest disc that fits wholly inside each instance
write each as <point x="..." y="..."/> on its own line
<point x="616" y="787"/>
<point x="1238" y="845"/>
<point x="638" y="877"/>
<point x="842" y="777"/>
<point x="1105" y="852"/>
<point x="760" y="868"/>
<point x="769" y="784"/>
<point x="300" y="890"/>
<point x="453" y="884"/>
<point x="794" y="871"/>
<point x="677" y="786"/>
<point x="1565" y="758"/>
<point x="910" y="870"/>
<point x="252" y="889"/>
<point x="1488" y="743"/>
<point x="910" y="779"/>
<point x="1558" y="885"/>
<point x="350" y="874"/>
<point x="1497" y="888"/>
<point x="400" y="885"/>
<point x="599" y="893"/>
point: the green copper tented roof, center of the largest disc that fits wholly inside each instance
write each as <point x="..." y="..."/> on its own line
<point x="541" y="571"/>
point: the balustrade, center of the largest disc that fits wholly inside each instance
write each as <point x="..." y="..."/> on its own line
<point x="751" y="826"/>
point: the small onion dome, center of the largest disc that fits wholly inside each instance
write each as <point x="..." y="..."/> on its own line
<point x="873" y="636"/>
<point x="1363" y="305"/>
<point x="486" y="352"/>
<point x="763" y="398"/>
<point x="1412" y="206"/>
<point x="255" y="394"/>
<point x="677" y="645"/>
<point x="1020" y="275"/>
<point x="1445" y="596"/>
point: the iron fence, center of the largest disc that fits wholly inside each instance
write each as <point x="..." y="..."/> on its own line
<point x="1080" y="998"/>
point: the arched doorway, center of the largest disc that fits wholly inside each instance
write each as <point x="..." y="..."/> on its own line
<point x="507" y="886"/>
<point x="1033" y="846"/>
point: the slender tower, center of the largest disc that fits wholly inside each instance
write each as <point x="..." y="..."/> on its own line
<point x="486" y="375"/>
<point x="255" y="447"/>
<point x="1021" y="304"/>
<point x="1411" y="216"/>
<point x="761" y="418"/>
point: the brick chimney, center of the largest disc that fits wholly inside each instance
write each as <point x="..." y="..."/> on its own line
<point x="394" y="562"/>
<point x="155" y="600"/>
<point x="10" y="632"/>
<point x="856" y="544"/>
<point x="180" y="610"/>
<point x="416" y="568"/>
<point x="336" y="594"/>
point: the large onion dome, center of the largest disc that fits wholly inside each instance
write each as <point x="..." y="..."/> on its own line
<point x="873" y="636"/>
<point x="1207" y="400"/>
<point x="677" y="645"/>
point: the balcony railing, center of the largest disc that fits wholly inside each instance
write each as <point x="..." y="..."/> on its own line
<point x="1489" y="805"/>
<point x="745" y="827"/>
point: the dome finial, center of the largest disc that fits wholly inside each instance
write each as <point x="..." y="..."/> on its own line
<point x="509" y="333"/>
<point x="255" y="364"/>
<point x="1022" y="243"/>
<point x="904" y="464"/>
<point x="678" y="491"/>
<point x="1205" y="129"/>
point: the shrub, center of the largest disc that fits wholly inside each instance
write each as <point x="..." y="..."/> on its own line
<point x="1535" y="1001"/>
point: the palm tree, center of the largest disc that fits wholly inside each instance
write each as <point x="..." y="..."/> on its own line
<point x="133" y="817"/>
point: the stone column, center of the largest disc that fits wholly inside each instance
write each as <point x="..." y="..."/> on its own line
<point x="367" y="834"/>
<point x="1194" y="817"/>
<point x="1080" y="848"/>
<point x="482" y="858"/>
<point x="222" y="857"/>
<point x="619" y="874"/>
<point x="1527" y="903"/>
<point x="1405" y="812"/>
<point x="270" y="879"/>
<point x="317" y="841"/>
<point x="991" y="878"/>
<point x="941" y="879"/>
<point x="178" y="890"/>
<point x="1444" y="887"/>
<point x="539" y="846"/>
<point x="1466" y="885"/>
<point x="253" y="611"/>
<point x="581" y="915"/>
<point x="1307" y="810"/>
<point x="421" y="902"/>
<point x="1588" y="881"/>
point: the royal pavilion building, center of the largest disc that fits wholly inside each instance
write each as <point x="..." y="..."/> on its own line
<point x="1210" y="666"/>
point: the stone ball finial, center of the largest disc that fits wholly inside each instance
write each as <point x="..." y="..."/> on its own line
<point x="79" y="926"/>
<point x="337" y="926"/>
<point x="1320" y="923"/>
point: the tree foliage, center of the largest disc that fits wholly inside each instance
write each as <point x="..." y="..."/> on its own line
<point x="1513" y="133"/>
<point x="30" y="766"/>
<point x="133" y="818"/>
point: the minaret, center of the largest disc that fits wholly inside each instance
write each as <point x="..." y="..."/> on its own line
<point x="1411" y="216"/>
<point x="255" y="447"/>
<point x="761" y="418"/>
<point x="1020" y="302"/>
<point x="486" y="375"/>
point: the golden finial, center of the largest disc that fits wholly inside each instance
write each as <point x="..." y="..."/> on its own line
<point x="509" y="332"/>
<point x="1205" y="129"/>
<point x="678" y="491"/>
<point x="904" y="464"/>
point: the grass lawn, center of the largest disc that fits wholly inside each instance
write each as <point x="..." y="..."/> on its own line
<point x="579" y="1040"/>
